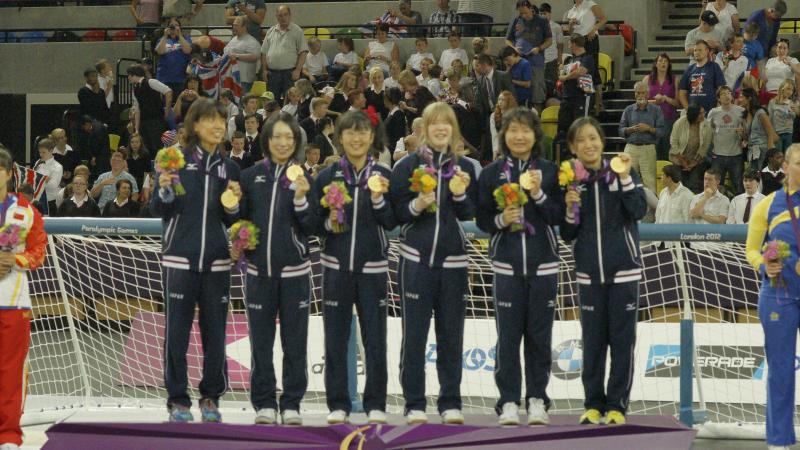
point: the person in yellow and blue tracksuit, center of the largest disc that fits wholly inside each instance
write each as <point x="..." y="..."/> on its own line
<point x="777" y="218"/>
<point x="196" y="260"/>
<point x="278" y="270"/>
<point x="608" y="268"/>
<point x="355" y="263"/>
<point x="433" y="262"/>
<point x="525" y="262"/>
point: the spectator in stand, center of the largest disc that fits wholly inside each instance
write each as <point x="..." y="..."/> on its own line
<point x="761" y="136"/>
<point x="414" y="62"/>
<point x="312" y="124"/>
<point x="456" y="93"/>
<point x="316" y="66"/>
<point x="244" y="49"/>
<point x="292" y="100"/>
<point x="728" y="17"/>
<point x="344" y="59"/>
<point x="778" y="69"/>
<point x="769" y="23"/>
<point x="150" y="108"/>
<point x="63" y="153"/>
<point x="93" y="99"/>
<point x="376" y="91"/>
<point x="174" y="53"/>
<point x="252" y="12"/>
<point x="506" y="101"/>
<point x="529" y="34"/>
<point x="139" y="160"/>
<point x="443" y="20"/>
<point x="80" y="203"/>
<point x="238" y="154"/>
<point x="147" y="14"/>
<point x="553" y="53"/>
<point x="772" y="174"/>
<point x="710" y="206"/>
<point x="783" y="110"/>
<point x="381" y="52"/>
<point x="489" y="84"/>
<point x="587" y="18"/>
<point x="395" y="122"/>
<point x="283" y="53"/>
<point x="346" y="83"/>
<point x="707" y="31"/>
<point x="356" y="100"/>
<point x="478" y="15"/>
<point x="249" y="106"/>
<point x="575" y="98"/>
<point x="642" y="125"/>
<point x="409" y="17"/>
<point x="229" y="101"/>
<point x="429" y="77"/>
<point x="733" y="63"/>
<point x="689" y="144"/>
<point x="728" y="122"/>
<point x="401" y="148"/>
<point x="416" y="97"/>
<point x="66" y="191"/>
<point x="312" y="159"/>
<point x="122" y="206"/>
<point x="701" y="80"/>
<point x="663" y="91"/>
<point x="251" y="136"/>
<point x="324" y="140"/>
<point x="455" y="52"/>
<point x="192" y="90"/>
<point x="753" y="50"/>
<point x="743" y="204"/>
<point x="49" y="167"/>
<point x="93" y="146"/>
<point x="104" y="189"/>
<point x="520" y="70"/>
<point x="105" y="77"/>
<point x="674" y="199"/>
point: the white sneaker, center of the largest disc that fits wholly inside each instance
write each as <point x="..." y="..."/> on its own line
<point x="416" y="416"/>
<point x="9" y="446"/>
<point x="510" y="415"/>
<point x="376" y="416"/>
<point x="769" y="447"/>
<point x="337" y="416"/>
<point x="291" y="417"/>
<point x="266" y="416"/>
<point x="453" y="417"/>
<point x="537" y="414"/>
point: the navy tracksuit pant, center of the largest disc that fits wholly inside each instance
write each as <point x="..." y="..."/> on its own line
<point x="368" y="291"/>
<point x="443" y="292"/>
<point x="524" y="309"/>
<point x="608" y="319"/>
<point x="183" y="290"/>
<point x="267" y="298"/>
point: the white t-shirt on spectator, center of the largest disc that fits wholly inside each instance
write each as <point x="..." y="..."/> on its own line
<point x="583" y="15"/>
<point x="673" y="207"/>
<point x="103" y="81"/>
<point x="54" y="171"/>
<point x="346" y="58"/>
<point x="725" y="18"/>
<point x="776" y="71"/>
<point x="717" y="205"/>
<point x="245" y="45"/>
<point x="736" y="67"/>
<point x="316" y="63"/>
<point x="416" y="58"/>
<point x="451" y="54"/>
<point x="551" y="53"/>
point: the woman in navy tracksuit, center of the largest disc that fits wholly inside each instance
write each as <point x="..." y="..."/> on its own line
<point x="433" y="264"/>
<point x="279" y="270"/>
<point x="525" y="265"/>
<point x="196" y="260"/>
<point x="608" y="267"/>
<point x="355" y="266"/>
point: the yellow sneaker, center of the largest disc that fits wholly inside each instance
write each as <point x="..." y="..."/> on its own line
<point x="591" y="416"/>
<point x="615" y="418"/>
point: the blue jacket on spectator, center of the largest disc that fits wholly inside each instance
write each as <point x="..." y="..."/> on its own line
<point x="363" y="248"/>
<point x="195" y="236"/>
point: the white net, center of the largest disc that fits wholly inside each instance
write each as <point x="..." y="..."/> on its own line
<point x="98" y="331"/>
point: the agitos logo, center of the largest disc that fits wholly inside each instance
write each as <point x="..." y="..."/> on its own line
<point x="714" y="361"/>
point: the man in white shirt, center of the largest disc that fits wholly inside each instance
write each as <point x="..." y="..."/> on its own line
<point x="733" y="63"/>
<point x="48" y="166"/>
<point x="245" y="50"/>
<point x="553" y="53"/>
<point x="742" y="205"/>
<point x="709" y="206"/>
<point x="674" y="199"/>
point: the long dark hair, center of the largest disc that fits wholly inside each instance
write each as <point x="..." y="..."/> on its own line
<point x="654" y="71"/>
<point x="201" y="108"/>
<point x="269" y="127"/>
<point x="753" y="104"/>
<point x="360" y="121"/>
<point x="523" y="116"/>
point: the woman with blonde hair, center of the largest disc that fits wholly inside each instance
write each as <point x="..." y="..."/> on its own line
<point x="347" y="83"/>
<point x="375" y="92"/>
<point x="433" y="260"/>
<point x="64" y="153"/>
<point x="506" y="101"/>
<point x="417" y="97"/>
<point x="782" y="111"/>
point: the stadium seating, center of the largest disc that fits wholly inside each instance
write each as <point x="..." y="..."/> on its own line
<point x="606" y="68"/>
<point x="322" y="33"/>
<point x="550" y="121"/>
<point x="113" y="141"/>
<point x="124" y="35"/>
<point x="94" y="36"/>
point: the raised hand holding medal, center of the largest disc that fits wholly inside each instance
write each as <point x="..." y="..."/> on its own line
<point x="621" y="165"/>
<point x="377" y="185"/>
<point x="531" y="181"/>
<point x="230" y="198"/>
<point x="459" y="182"/>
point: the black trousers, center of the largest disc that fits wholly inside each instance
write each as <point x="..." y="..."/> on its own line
<point x="368" y="292"/>
<point x="572" y="108"/>
<point x="151" y="130"/>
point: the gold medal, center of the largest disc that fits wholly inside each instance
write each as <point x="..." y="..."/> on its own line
<point x="797" y="267"/>
<point x="526" y="180"/>
<point x="618" y="165"/>
<point x="229" y="199"/>
<point x="293" y="172"/>
<point x="374" y="184"/>
<point x="457" y="186"/>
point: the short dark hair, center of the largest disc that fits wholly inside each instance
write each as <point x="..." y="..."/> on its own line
<point x="525" y="117"/>
<point x="703" y="42"/>
<point x="46" y="143"/>
<point x="253" y="116"/>
<point x="312" y="146"/>
<point x="121" y="181"/>
<point x="673" y="172"/>
<point x="353" y="95"/>
<point x="454" y="33"/>
<point x="269" y="128"/>
<point x="752" y="174"/>
<point x="715" y="173"/>
<point x="359" y="120"/>
<point x="508" y="51"/>
<point x="201" y="108"/>
<point x="421" y="39"/>
<point x="136" y="70"/>
<point x="693" y="112"/>
<point x="545" y="8"/>
<point x="347" y="41"/>
<point x="435" y="71"/>
<point x="86" y="119"/>
<point x="483" y="58"/>
<point x="576" y="126"/>
<point x="237" y="135"/>
<point x="752" y="28"/>
<point x="247" y="98"/>
<point x="382" y="27"/>
<point x="394" y="95"/>
<point x="88" y="71"/>
<point x="578" y="39"/>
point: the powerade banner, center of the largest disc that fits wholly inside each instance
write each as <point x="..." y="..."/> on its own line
<point x="714" y="361"/>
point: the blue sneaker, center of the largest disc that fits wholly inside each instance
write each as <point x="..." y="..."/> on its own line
<point x="180" y="413"/>
<point x="209" y="411"/>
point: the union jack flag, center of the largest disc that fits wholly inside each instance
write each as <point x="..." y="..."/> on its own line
<point x="219" y="74"/>
<point x="24" y="175"/>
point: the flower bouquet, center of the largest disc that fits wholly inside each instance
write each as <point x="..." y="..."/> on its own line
<point x="510" y="194"/>
<point x="11" y="236"/>
<point x="424" y="180"/>
<point x="334" y="198"/>
<point x="170" y="160"/>
<point x="775" y="251"/>
<point x="244" y="236"/>
<point x="570" y="175"/>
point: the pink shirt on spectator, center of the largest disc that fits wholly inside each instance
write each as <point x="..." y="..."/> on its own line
<point x="668" y="89"/>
